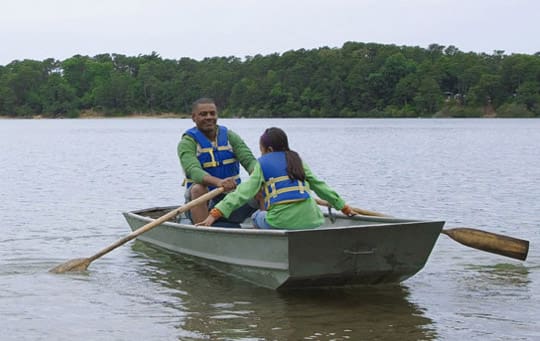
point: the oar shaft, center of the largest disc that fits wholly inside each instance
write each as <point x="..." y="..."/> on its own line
<point x="356" y="210"/>
<point x="158" y="221"/>
<point x="81" y="264"/>
<point x="135" y="233"/>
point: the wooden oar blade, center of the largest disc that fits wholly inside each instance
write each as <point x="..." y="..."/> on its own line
<point x="81" y="264"/>
<point x="74" y="265"/>
<point x="490" y="242"/>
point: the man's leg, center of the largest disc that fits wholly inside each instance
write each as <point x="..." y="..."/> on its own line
<point x="199" y="212"/>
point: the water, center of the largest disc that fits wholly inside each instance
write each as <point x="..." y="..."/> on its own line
<point x="64" y="184"/>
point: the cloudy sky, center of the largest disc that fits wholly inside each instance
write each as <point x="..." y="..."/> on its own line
<point x="203" y="28"/>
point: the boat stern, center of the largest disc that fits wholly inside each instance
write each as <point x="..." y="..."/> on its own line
<point x="349" y="256"/>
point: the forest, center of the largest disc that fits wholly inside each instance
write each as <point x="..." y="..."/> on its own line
<point x="355" y="80"/>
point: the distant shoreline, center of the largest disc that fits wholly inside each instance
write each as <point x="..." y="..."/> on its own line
<point x="95" y="115"/>
<point x="86" y="115"/>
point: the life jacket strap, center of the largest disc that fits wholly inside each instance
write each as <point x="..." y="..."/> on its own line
<point x="271" y="191"/>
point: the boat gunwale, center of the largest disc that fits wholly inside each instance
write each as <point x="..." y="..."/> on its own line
<point x="379" y="222"/>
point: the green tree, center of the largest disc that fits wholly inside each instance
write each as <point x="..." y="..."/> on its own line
<point x="76" y="73"/>
<point x="58" y="97"/>
<point x="24" y="78"/>
<point x="528" y="94"/>
<point x="488" y="90"/>
<point x="406" y="89"/>
<point x="429" y="97"/>
<point x="115" y="93"/>
<point x="7" y="100"/>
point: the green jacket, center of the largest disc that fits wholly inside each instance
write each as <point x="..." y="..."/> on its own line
<point x="187" y="153"/>
<point x="297" y="215"/>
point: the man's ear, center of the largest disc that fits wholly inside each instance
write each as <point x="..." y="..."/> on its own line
<point x="270" y="149"/>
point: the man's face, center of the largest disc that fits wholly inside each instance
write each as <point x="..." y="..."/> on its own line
<point x="205" y="118"/>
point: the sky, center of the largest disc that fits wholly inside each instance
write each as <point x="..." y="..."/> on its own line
<point x="198" y="29"/>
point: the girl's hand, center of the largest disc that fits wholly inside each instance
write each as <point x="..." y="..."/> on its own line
<point x="214" y="215"/>
<point x="207" y="222"/>
<point x="348" y="211"/>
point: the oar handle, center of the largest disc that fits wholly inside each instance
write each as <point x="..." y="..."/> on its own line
<point x="158" y="221"/>
<point x="368" y="213"/>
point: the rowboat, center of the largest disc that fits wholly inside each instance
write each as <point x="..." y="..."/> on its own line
<point x="345" y="251"/>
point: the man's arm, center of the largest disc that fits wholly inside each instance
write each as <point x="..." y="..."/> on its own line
<point x="187" y="153"/>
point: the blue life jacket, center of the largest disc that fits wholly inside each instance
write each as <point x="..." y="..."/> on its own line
<point x="278" y="188"/>
<point x="219" y="161"/>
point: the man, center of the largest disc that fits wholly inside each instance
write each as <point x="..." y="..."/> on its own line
<point x="211" y="156"/>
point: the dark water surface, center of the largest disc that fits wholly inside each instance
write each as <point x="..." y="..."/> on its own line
<point x="64" y="184"/>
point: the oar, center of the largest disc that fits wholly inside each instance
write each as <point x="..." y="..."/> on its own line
<point x="81" y="264"/>
<point x="478" y="239"/>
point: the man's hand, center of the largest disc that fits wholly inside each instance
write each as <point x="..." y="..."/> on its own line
<point x="229" y="184"/>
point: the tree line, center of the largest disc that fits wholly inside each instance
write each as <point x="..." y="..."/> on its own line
<point x="356" y="80"/>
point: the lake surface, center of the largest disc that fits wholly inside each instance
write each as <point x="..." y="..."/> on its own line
<point x="64" y="184"/>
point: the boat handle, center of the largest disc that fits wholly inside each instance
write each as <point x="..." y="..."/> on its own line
<point x="331" y="215"/>
<point x="368" y="252"/>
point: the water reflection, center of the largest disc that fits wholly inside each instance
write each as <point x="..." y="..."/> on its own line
<point x="503" y="274"/>
<point x="211" y="305"/>
<point x="483" y="282"/>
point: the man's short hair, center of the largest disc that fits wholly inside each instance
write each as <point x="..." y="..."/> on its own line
<point x="203" y="100"/>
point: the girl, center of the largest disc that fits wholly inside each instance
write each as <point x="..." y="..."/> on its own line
<point x="286" y="183"/>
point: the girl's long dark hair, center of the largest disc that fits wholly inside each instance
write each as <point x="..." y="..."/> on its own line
<point x="277" y="139"/>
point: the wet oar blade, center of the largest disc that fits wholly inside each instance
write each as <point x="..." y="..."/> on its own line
<point x="490" y="242"/>
<point x="75" y="265"/>
<point x="81" y="264"/>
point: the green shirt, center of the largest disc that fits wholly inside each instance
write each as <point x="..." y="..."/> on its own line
<point x="297" y="215"/>
<point x="187" y="153"/>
